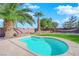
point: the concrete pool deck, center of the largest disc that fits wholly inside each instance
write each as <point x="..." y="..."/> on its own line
<point x="13" y="47"/>
<point x="7" y="48"/>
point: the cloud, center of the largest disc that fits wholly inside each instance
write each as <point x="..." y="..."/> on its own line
<point x="1" y="20"/>
<point x="31" y="6"/>
<point x="1" y="23"/>
<point x="66" y="19"/>
<point x="28" y="4"/>
<point x="56" y="21"/>
<point x="34" y="6"/>
<point x="69" y="10"/>
<point x="78" y="3"/>
<point x="31" y="13"/>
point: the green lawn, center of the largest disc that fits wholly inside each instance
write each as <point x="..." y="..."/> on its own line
<point x="74" y="38"/>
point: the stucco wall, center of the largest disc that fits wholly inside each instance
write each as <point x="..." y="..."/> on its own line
<point x="19" y="30"/>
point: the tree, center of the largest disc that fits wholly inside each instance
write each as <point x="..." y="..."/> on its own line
<point x="10" y="13"/>
<point x="66" y="25"/>
<point x="38" y="14"/>
<point x="48" y="23"/>
<point x="77" y="24"/>
<point x="71" y="23"/>
<point x="55" y="24"/>
<point x="43" y="23"/>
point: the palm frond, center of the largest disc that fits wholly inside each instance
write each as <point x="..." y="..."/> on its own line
<point x="8" y="11"/>
<point x="38" y="14"/>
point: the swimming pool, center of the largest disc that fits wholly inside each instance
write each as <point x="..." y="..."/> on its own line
<point x="45" y="46"/>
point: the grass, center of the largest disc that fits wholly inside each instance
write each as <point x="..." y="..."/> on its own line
<point x="74" y="38"/>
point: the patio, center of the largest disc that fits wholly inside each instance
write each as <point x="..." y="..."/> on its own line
<point x="9" y="49"/>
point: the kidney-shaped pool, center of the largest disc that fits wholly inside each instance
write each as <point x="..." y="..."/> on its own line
<point x="45" y="46"/>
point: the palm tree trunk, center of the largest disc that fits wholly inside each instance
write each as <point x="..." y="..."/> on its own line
<point x="8" y="27"/>
<point x="38" y="25"/>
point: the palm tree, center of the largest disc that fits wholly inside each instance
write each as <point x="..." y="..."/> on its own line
<point x="38" y="14"/>
<point x="11" y="13"/>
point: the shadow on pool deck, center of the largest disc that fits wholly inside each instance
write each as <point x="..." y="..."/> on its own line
<point x="7" y="48"/>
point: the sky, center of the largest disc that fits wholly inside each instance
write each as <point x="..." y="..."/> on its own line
<point x="59" y="12"/>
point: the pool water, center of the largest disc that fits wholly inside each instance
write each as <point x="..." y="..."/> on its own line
<point x="45" y="46"/>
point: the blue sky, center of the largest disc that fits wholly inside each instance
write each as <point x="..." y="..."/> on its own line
<point x="59" y="12"/>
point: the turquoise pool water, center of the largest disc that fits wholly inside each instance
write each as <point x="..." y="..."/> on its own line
<point x="45" y="46"/>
